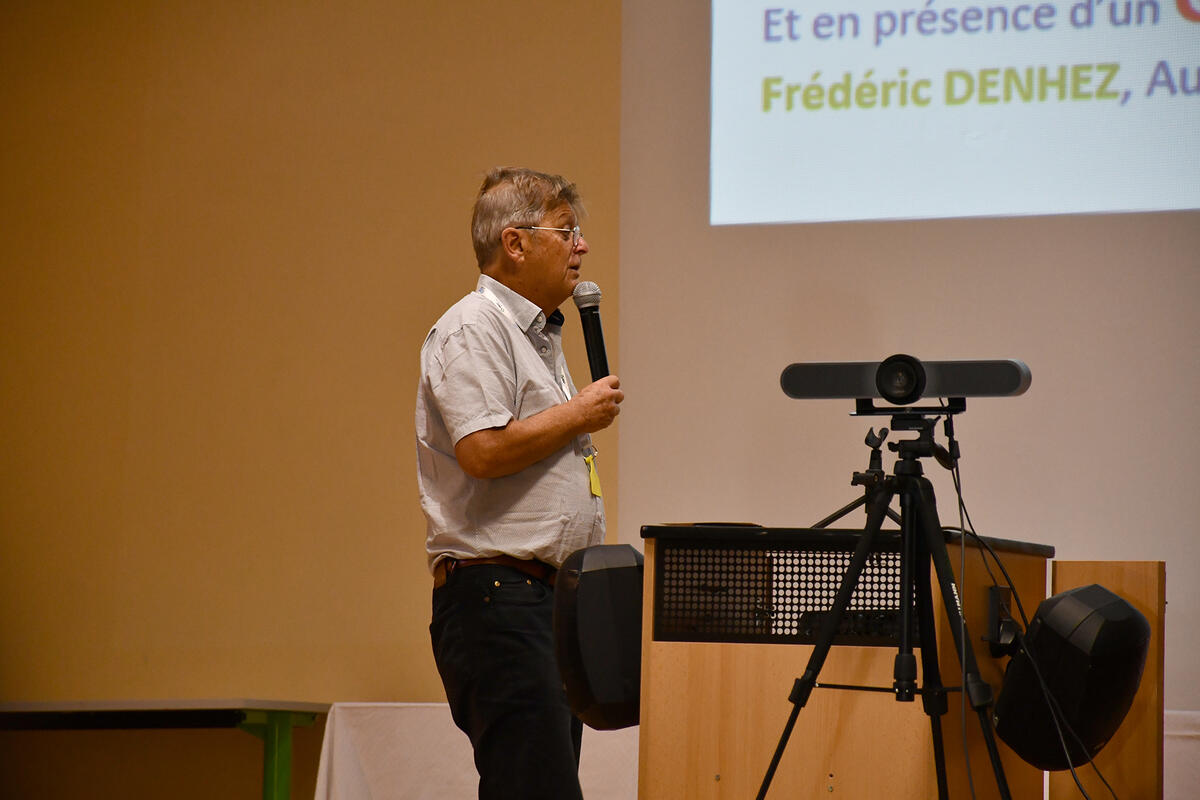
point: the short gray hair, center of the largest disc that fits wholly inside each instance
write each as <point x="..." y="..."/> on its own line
<point x="514" y="196"/>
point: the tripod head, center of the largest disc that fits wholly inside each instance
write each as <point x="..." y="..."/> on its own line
<point x="921" y="447"/>
<point x="922" y="421"/>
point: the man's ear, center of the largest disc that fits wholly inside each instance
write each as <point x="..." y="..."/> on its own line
<point x="513" y="244"/>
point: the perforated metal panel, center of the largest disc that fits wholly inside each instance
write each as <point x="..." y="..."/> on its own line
<point x="773" y="592"/>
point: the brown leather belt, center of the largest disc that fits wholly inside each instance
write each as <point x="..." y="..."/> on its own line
<point x="531" y="567"/>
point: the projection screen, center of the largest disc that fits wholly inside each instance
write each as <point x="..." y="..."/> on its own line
<point x="867" y="109"/>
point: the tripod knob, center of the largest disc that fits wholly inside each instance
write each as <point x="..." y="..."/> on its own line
<point x="868" y="478"/>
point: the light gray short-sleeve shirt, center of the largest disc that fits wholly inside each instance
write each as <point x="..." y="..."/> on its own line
<point x="491" y="358"/>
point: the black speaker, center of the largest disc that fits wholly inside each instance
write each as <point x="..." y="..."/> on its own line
<point x="598" y="633"/>
<point x="1090" y="646"/>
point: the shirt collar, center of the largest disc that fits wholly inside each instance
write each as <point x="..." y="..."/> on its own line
<point x="523" y="311"/>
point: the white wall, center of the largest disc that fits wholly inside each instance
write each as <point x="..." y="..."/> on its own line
<point x="1097" y="459"/>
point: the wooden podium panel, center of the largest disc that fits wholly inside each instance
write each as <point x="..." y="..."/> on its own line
<point x="712" y="713"/>
<point x="1132" y="761"/>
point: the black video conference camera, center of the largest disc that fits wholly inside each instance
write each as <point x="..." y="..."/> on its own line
<point x="902" y="380"/>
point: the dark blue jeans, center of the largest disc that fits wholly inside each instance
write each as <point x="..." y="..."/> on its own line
<point x="493" y="641"/>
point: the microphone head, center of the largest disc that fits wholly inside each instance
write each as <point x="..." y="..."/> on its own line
<point x="586" y="294"/>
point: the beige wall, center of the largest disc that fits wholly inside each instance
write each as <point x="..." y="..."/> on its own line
<point x="1098" y="459"/>
<point x="226" y="229"/>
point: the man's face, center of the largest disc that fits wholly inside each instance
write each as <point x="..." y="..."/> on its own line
<point x="552" y="260"/>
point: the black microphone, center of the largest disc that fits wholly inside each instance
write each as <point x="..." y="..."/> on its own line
<point x="587" y="300"/>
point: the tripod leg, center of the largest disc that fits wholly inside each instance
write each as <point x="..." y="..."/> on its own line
<point x="979" y="693"/>
<point x="904" y="673"/>
<point x="877" y="504"/>
<point x="933" y="693"/>
<point x="878" y="500"/>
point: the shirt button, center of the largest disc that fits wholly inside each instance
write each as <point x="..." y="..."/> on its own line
<point x="544" y="350"/>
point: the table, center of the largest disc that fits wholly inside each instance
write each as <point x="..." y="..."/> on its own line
<point x="269" y="720"/>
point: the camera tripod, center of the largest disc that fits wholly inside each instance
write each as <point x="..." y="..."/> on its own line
<point x="922" y="545"/>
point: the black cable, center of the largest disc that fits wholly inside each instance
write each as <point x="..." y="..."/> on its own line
<point x="963" y="527"/>
<point x="1056" y="714"/>
<point x="969" y="530"/>
<point x="962" y="608"/>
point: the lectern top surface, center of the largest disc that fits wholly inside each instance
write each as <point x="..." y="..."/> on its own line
<point x="746" y="533"/>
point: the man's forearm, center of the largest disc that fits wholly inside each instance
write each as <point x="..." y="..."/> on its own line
<point x="497" y="452"/>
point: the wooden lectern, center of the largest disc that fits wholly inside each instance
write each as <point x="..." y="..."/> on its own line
<point x="721" y="601"/>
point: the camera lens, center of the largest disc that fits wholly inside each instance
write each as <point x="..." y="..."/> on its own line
<point x="900" y="379"/>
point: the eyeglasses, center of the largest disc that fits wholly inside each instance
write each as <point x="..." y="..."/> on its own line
<point x="576" y="234"/>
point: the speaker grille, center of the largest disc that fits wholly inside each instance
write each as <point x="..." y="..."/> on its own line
<point x="772" y="593"/>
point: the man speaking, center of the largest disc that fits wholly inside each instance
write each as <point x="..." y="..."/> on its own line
<point x="508" y="483"/>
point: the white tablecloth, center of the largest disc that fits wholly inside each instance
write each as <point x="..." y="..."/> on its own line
<point x="413" y="751"/>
